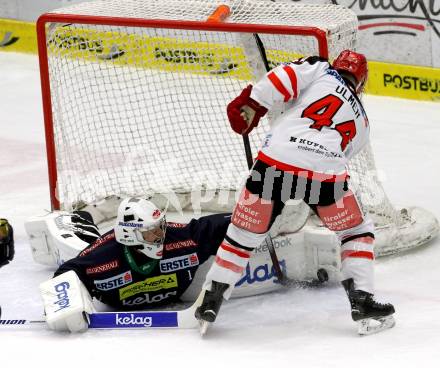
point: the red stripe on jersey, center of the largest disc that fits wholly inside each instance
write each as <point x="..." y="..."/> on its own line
<point x="238" y="252"/>
<point x="279" y="86"/>
<point x="228" y="265"/>
<point x="356" y="254"/>
<point x="292" y="76"/>
<point x="298" y="171"/>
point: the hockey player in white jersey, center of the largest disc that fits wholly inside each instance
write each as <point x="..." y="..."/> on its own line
<point x="304" y="156"/>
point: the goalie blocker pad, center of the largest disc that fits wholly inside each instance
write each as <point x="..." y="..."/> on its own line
<point x="67" y="303"/>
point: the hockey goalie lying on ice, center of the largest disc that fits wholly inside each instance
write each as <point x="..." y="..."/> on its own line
<point x="145" y="261"/>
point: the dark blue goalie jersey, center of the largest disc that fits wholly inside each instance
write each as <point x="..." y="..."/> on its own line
<point x="127" y="280"/>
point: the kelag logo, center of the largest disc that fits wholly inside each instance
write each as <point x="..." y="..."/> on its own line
<point x="411" y="82"/>
<point x="148" y="299"/>
<point x="63" y="299"/>
<point x="260" y="274"/>
<point x="131" y="320"/>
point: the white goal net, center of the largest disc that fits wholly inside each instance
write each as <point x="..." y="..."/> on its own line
<point x="135" y="94"/>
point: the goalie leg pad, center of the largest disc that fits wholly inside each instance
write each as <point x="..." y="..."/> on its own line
<point x="66" y="303"/>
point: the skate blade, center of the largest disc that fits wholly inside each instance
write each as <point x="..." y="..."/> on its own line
<point x="371" y="326"/>
<point x="203" y="327"/>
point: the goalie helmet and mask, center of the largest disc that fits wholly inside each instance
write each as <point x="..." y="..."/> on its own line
<point x="141" y="225"/>
<point x="353" y="67"/>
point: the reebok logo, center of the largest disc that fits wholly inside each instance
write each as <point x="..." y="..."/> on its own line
<point x="279" y="243"/>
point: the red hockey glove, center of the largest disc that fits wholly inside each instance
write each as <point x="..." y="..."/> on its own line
<point x="244" y="113"/>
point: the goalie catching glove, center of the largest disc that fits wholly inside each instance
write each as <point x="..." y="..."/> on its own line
<point x="6" y="242"/>
<point x="244" y="113"/>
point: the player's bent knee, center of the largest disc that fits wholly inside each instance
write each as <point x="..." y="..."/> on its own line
<point x="243" y="238"/>
<point x="252" y="213"/>
<point x="342" y="215"/>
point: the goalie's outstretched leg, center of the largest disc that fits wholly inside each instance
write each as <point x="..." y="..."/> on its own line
<point x="370" y="315"/>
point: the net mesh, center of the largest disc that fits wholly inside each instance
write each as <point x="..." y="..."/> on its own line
<point x="141" y="110"/>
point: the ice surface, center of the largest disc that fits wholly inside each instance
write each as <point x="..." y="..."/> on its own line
<point x="292" y="328"/>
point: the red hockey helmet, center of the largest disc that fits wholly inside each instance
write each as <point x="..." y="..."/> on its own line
<point x="355" y="64"/>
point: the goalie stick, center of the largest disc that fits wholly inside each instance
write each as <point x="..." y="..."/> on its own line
<point x="183" y="319"/>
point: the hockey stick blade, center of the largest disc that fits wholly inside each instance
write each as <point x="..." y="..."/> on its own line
<point x="365" y="328"/>
<point x="203" y="327"/>
<point x="128" y="320"/>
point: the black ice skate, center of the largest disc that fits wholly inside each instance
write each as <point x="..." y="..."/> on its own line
<point x="364" y="310"/>
<point x="212" y="301"/>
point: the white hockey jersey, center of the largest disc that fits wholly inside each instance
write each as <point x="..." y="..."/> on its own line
<point x="323" y="124"/>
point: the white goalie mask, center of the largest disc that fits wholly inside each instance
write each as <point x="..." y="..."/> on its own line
<point x="140" y="224"/>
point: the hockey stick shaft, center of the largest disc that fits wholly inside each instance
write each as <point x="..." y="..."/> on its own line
<point x="122" y="320"/>
<point x="262" y="51"/>
<point x="115" y="320"/>
<point x="248" y="151"/>
<point x="127" y="320"/>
